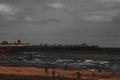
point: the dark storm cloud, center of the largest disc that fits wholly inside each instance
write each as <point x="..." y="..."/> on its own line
<point x="94" y="21"/>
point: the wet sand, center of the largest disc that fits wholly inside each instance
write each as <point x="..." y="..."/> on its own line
<point x="39" y="73"/>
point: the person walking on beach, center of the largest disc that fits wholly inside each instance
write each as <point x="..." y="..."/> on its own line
<point x="53" y="72"/>
<point x="65" y="67"/>
<point x="46" y="70"/>
<point x="99" y="70"/>
<point x="94" y="76"/>
<point x="78" y="75"/>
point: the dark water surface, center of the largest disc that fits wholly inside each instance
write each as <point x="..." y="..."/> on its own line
<point x="67" y="59"/>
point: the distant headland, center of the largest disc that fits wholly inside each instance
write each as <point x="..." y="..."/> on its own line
<point x="19" y="46"/>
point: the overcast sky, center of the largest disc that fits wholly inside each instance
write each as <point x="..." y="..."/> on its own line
<point x="61" y="21"/>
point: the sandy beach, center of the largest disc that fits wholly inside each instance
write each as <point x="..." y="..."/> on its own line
<point x="38" y="73"/>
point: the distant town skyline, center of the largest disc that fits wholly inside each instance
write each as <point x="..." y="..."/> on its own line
<point x="61" y="21"/>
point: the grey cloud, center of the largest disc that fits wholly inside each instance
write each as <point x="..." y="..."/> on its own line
<point x="74" y="23"/>
<point x="50" y="20"/>
<point x="108" y="16"/>
<point x="7" y="10"/>
<point x="108" y="0"/>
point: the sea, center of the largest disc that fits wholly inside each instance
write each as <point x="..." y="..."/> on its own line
<point x="63" y="60"/>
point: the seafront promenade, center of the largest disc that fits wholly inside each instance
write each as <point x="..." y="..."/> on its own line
<point x="24" y="73"/>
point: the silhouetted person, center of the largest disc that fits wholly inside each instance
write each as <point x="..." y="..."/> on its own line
<point x="94" y="76"/>
<point x="78" y="75"/>
<point x="53" y="72"/>
<point x="99" y="70"/>
<point x="46" y="70"/>
<point x="66" y="67"/>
